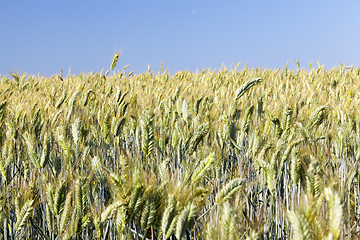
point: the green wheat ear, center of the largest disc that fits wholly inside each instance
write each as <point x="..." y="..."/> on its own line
<point x="335" y="213"/>
<point x="114" y="61"/>
<point x="65" y="216"/>
<point x="2" y="105"/>
<point x="147" y="134"/>
<point x="318" y="116"/>
<point x="24" y="215"/>
<point x="203" y="167"/>
<point x="253" y="235"/>
<point x="245" y="87"/>
<point x="61" y="99"/>
<point x="185" y="219"/>
<point x="300" y="226"/>
<point x="168" y="215"/>
<point x="229" y="190"/>
<point x="59" y="198"/>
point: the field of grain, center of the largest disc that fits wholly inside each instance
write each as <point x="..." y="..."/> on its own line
<point x="216" y="154"/>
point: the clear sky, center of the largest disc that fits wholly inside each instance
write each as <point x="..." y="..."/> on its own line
<point x="41" y="37"/>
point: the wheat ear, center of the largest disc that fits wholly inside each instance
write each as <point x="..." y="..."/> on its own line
<point x="24" y="215"/>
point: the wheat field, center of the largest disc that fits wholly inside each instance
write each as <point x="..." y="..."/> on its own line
<point x="216" y="154"/>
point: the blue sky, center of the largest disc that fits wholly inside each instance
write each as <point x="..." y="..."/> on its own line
<point x="41" y="37"/>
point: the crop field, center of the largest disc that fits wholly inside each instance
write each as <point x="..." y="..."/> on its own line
<point x="216" y="154"/>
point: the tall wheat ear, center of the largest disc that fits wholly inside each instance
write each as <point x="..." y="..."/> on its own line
<point x="203" y="167"/>
<point x="24" y="214"/>
<point x="225" y="227"/>
<point x="335" y="213"/>
<point x="168" y="216"/>
<point x="229" y="190"/>
<point x="246" y="87"/>
<point x="65" y="217"/>
<point x="307" y="220"/>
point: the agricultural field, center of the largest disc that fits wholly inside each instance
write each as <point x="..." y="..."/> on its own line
<point x="216" y="154"/>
